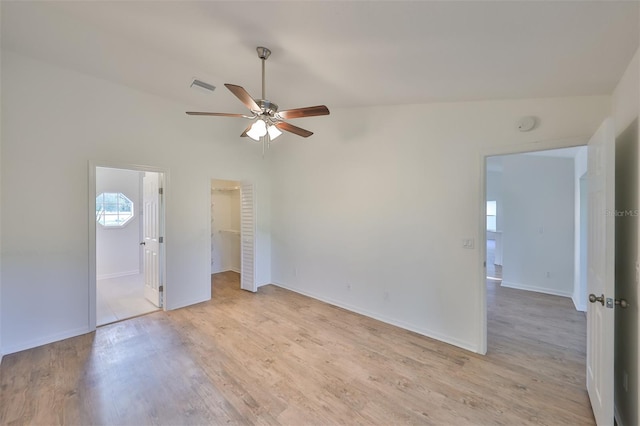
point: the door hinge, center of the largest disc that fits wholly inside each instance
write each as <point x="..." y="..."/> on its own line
<point x="161" y="240"/>
<point x="161" y="288"/>
<point x="160" y="191"/>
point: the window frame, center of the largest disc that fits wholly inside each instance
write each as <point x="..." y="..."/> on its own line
<point x="100" y="214"/>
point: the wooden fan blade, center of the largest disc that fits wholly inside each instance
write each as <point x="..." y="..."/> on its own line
<point x="243" y="95"/>
<point x="215" y="114"/>
<point x="304" y="112"/>
<point x="293" y="129"/>
<point x="244" y="134"/>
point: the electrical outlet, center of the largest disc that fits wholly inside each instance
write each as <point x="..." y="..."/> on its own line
<point x="548" y="274"/>
<point x="386" y="295"/>
<point x="295" y="272"/>
<point x="468" y="243"/>
<point x="348" y="287"/>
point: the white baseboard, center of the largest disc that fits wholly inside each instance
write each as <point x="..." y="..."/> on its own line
<point x="398" y="323"/>
<point x="45" y="340"/>
<point x="117" y="275"/>
<point x="182" y="304"/>
<point x="237" y="271"/>
<point x="552" y="291"/>
<point x="582" y="307"/>
<point x="221" y="270"/>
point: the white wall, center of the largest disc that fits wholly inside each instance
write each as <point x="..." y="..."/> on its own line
<point x="538" y="223"/>
<point x="625" y="101"/>
<point x="54" y="121"/>
<point x="118" y="249"/>
<point x="370" y="213"/>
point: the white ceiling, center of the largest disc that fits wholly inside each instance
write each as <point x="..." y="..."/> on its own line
<point x="338" y="53"/>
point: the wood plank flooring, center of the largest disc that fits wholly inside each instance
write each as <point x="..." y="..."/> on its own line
<point x="277" y="357"/>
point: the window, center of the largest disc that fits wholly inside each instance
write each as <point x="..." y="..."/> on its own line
<point x="113" y="209"/>
<point x="491" y="215"/>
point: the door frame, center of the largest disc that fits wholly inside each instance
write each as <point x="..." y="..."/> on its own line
<point x="542" y="145"/>
<point x="241" y="183"/>
<point x="93" y="164"/>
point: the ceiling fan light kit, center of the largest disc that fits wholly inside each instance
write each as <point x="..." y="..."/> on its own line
<point x="268" y="122"/>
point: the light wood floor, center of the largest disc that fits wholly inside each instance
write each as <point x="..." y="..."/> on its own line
<point x="276" y="357"/>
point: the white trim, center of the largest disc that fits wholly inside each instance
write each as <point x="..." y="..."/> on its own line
<point x="182" y="304"/>
<point x="92" y="165"/>
<point x="482" y="213"/>
<point x="227" y="270"/>
<point x="47" y="339"/>
<point x="582" y="307"/>
<point x="544" y="290"/>
<point x="117" y="275"/>
<point x="401" y="324"/>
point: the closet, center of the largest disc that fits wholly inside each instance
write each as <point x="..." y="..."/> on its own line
<point x="225" y="226"/>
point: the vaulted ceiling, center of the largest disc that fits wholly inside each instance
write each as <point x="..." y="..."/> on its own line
<point x="340" y="53"/>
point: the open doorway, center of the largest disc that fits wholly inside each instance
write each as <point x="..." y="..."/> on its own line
<point x="535" y="251"/>
<point x="225" y="226"/>
<point x="532" y="244"/>
<point x="535" y="206"/>
<point x="129" y="252"/>
<point x="233" y="231"/>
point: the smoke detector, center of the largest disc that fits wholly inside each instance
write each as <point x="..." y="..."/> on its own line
<point x="526" y="124"/>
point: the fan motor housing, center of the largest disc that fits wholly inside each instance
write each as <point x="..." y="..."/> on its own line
<point x="267" y="107"/>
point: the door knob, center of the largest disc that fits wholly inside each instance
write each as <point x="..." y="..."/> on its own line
<point x="593" y="298"/>
<point x="622" y="303"/>
<point x="143" y="243"/>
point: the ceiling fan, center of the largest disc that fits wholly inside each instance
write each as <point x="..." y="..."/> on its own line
<point x="268" y="122"/>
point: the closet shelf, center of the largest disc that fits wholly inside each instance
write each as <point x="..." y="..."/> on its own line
<point x="229" y="188"/>
<point x="230" y="231"/>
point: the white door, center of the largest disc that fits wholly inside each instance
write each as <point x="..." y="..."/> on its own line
<point x="152" y="191"/>
<point x="248" y="238"/>
<point x="600" y="275"/>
